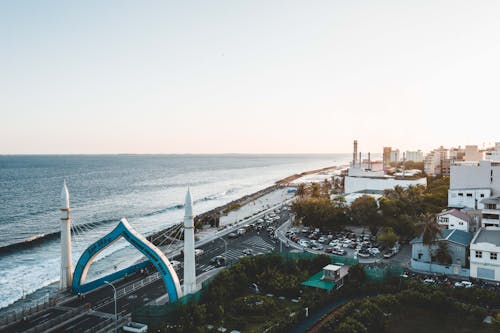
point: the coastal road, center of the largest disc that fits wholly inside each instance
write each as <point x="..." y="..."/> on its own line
<point x="101" y="302"/>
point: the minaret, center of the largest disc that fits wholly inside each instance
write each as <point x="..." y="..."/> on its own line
<point x="66" y="260"/>
<point x="189" y="263"/>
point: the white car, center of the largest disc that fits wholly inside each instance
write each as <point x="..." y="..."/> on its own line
<point x="303" y="243"/>
<point x="334" y="243"/>
<point x="465" y="284"/>
<point x="374" y="251"/>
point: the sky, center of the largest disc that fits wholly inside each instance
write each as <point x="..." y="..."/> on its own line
<point x="247" y="76"/>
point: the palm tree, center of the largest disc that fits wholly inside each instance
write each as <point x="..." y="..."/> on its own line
<point x="430" y="230"/>
<point x="301" y="190"/>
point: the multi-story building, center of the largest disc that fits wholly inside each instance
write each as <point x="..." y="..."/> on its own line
<point x="395" y="155"/>
<point x="456" y="154"/>
<point x="494" y="154"/>
<point x="386" y="157"/>
<point x="485" y="254"/>
<point x="476" y="186"/>
<point x="415" y="156"/>
<point x="432" y="164"/>
<point x="473" y="154"/>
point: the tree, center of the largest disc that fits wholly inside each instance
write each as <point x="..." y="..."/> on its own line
<point x="301" y="190"/>
<point x="350" y="325"/>
<point x="326" y="188"/>
<point x="364" y="210"/>
<point x="320" y="213"/>
<point x="388" y="237"/>
<point x="430" y="231"/>
<point x="443" y="254"/>
<point x="315" y="190"/>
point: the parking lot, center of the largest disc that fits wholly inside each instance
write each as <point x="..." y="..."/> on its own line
<point x="358" y="245"/>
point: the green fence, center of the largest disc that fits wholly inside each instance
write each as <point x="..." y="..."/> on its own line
<point x="379" y="273"/>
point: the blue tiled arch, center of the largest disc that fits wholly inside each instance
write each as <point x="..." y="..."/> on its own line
<point x="155" y="256"/>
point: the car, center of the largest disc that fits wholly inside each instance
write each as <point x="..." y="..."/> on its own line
<point x="353" y="245"/>
<point x="317" y="247"/>
<point x="328" y="250"/>
<point x="322" y="239"/>
<point x="233" y="235"/>
<point x="374" y="251"/>
<point x="429" y="281"/>
<point x="198" y="252"/>
<point x="248" y="252"/>
<point x="175" y="264"/>
<point x="465" y="284"/>
<point x="303" y="243"/>
<point x="218" y="261"/>
<point x="334" y="243"/>
<point x="339" y="252"/>
<point x="363" y="253"/>
<point x="389" y="254"/>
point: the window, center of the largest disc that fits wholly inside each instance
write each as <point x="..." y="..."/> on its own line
<point x="479" y="254"/>
<point x="482" y="195"/>
<point x="493" y="256"/>
<point x="443" y="219"/>
<point x="491" y="206"/>
<point x="469" y="195"/>
<point x="461" y="223"/>
<point x="460" y="194"/>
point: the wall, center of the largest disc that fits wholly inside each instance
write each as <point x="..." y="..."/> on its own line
<point x="356" y="184"/>
<point x="484" y="175"/>
<point x="457" y="252"/>
<point x="453" y="222"/>
<point x="440" y="269"/>
<point x="485" y="262"/>
<point x="470" y="197"/>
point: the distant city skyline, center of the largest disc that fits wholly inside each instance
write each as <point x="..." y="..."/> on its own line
<point x="247" y="77"/>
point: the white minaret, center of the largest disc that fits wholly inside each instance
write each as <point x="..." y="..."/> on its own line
<point x="189" y="263"/>
<point x="66" y="260"/>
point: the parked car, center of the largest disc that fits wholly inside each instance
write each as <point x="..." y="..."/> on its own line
<point x="363" y="253"/>
<point x="303" y="243"/>
<point x="389" y="254"/>
<point x="465" y="284"/>
<point x="233" y="235"/>
<point x="316" y="246"/>
<point x="328" y="249"/>
<point x="339" y="252"/>
<point x="248" y="252"/>
<point x="374" y="251"/>
<point x="198" y="252"/>
<point x="429" y="281"/>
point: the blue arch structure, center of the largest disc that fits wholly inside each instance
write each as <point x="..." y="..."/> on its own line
<point x="155" y="256"/>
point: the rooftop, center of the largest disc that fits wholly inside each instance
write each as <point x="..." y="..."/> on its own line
<point x="457" y="213"/>
<point x="491" y="236"/>
<point x="452" y="235"/>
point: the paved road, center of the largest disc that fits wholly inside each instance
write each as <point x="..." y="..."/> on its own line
<point x="101" y="302"/>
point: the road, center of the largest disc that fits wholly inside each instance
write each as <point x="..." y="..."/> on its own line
<point x="79" y="314"/>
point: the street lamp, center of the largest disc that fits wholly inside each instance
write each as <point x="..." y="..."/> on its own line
<point x="114" y="295"/>
<point x="225" y="250"/>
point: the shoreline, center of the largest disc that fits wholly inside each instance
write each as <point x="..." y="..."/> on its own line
<point x="43" y="292"/>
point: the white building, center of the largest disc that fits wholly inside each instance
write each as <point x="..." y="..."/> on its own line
<point x="494" y="154"/>
<point x="395" y="155"/>
<point x="471" y="183"/>
<point x="415" y="156"/>
<point x="473" y="154"/>
<point x="455" y="219"/>
<point x="485" y="254"/>
<point x="491" y="212"/>
<point x="358" y="184"/>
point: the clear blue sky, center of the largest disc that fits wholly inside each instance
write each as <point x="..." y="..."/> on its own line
<point x="247" y="76"/>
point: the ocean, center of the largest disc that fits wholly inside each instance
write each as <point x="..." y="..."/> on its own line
<point x="146" y="189"/>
